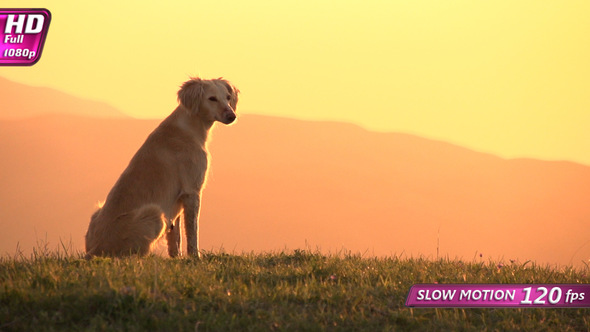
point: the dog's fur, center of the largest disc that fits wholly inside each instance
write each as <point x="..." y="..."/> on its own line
<point x="163" y="181"/>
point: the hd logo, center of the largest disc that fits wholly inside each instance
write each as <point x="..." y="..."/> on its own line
<point x="22" y="35"/>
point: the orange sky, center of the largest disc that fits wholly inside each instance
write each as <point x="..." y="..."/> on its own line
<point x="507" y="77"/>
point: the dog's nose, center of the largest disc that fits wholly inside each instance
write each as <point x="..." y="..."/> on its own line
<point x="230" y="118"/>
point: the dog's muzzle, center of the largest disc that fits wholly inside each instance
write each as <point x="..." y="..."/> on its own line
<point x="229" y="117"/>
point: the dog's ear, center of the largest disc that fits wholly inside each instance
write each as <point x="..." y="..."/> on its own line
<point x="233" y="91"/>
<point x="190" y="94"/>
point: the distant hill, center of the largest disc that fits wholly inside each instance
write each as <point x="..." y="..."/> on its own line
<point x="280" y="183"/>
<point x="23" y="101"/>
<point x="336" y="185"/>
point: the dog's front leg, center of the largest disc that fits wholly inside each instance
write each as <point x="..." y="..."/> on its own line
<point x="191" y="205"/>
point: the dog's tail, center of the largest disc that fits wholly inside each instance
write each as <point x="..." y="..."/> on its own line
<point x="130" y="233"/>
<point x="92" y="235"/>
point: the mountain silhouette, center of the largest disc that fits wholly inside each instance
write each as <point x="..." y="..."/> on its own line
<point x="23" y="101"/>
<point x="277" y="183"/>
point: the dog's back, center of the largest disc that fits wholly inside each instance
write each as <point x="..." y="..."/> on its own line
<point x="128" y="223"/>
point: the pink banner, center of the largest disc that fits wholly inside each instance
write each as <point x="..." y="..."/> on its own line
<point x="499" y="295"/>
<point x="22" y="35"/>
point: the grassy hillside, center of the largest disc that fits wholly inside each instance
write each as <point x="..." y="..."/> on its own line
<point x="293" y="291"/>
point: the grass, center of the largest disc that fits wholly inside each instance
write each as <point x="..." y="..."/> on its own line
<point x="284" y="291"/>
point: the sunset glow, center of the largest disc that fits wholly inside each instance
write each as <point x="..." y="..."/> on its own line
<point x="508" y="77"/>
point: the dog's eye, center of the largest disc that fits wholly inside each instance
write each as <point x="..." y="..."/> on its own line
<point x="228" y="97"/>
<point x="213" y="98"/>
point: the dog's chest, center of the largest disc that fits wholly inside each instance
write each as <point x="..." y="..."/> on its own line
<point x="193" y="168"/>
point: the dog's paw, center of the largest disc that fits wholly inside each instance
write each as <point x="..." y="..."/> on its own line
<point x="196" y="254"/>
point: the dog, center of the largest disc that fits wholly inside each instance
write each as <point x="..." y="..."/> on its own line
<point x="161" y="187"/>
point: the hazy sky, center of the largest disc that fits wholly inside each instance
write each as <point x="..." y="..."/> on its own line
<point x="507" y="77"/>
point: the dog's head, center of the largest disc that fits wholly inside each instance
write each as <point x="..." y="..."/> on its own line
<point x="214" y="100"/>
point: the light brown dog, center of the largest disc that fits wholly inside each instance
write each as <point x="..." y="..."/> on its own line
<point x="164" y="179"/>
